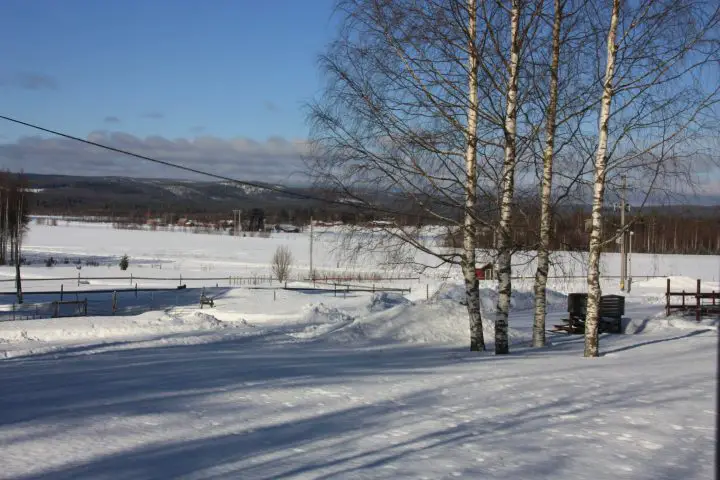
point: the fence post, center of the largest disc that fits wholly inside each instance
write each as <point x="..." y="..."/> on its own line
<point x="114" y="302"/>
<point x="13" y="311"/>
<point x="274" y="293"/>
<point x="698" y="305"/>
<point x="78" y="279"/>
<point x="61" y="292"/>
<point x="131" y="279"/>
<point x="180" y="279"/>
<point x="135" y="290"/>
<point x="427" y="291"/>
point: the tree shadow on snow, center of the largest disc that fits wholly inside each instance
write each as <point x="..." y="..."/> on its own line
<point x="655" y="341"/>
<point x="388" y="436"/>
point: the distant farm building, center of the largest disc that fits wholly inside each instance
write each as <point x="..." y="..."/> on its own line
<point x="485" y="272"/>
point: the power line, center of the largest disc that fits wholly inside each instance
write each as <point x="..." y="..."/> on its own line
<point x="171" y="164"/>
<point x="260" y="186"/>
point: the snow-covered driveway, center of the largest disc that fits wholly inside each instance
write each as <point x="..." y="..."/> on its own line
<point x="260" y="405"/>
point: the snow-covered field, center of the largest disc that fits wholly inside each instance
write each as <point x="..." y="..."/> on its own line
<point x="306" y="384"/>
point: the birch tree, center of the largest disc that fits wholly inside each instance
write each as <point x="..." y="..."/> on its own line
<point x="651" y="105"/>
<point x="543" y="258"/>
<point x="472" y="292"/>
<point x="399" y="119"/>
<point x="565" y="90"/>
<point x="507" y="187"/>
<point x="600" y="171"/>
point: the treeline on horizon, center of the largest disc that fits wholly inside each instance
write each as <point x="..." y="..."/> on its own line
<point x="676" y="230"/>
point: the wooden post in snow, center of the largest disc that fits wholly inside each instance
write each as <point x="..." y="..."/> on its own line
<point x="698" y="302"/>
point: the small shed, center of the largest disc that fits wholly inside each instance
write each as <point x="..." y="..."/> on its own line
<point x="485" y="272"/>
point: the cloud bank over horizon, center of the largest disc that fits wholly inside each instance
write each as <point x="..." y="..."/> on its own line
<point x="274" y="160"/>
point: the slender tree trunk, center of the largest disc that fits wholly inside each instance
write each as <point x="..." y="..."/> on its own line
<point x="18" y="281"/>
<point x="507" y="189"/>
<point x="472" y="292"/>
<point x="5" y="231"/>
<point x="543" y="261"/>
<point x="593" y="279"/>
<point x="18" y="241"/>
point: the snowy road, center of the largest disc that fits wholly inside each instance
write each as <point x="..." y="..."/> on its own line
<point x="260" y="406"/>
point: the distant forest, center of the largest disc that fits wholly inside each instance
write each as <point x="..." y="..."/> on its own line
<point x="679" y="229"/>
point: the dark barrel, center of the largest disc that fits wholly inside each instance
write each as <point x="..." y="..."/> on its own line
<point x="612" y="306"/>
<point x="577" y="304"/>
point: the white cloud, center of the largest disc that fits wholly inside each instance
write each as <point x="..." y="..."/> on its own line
<point x="273" y="160"/>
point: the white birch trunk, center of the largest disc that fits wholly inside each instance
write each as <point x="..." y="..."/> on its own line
<point x="593" y="278"/>
<point x="504" y="261"/>
<point x="543" y="261"/>
<point x="472" y="292"/>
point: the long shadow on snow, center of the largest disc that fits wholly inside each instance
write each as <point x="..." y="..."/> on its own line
<point x="341" y="444"/>
<point x="143" y="380"/>
<point x="659" y="340"/>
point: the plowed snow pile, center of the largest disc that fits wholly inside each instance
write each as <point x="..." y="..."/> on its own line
<point x="520" y="300"/>
<point x="391" y="318"/>
<point x="35" y="336"/>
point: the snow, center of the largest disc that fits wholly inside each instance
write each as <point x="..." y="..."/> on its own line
<point x="324" y="384"/>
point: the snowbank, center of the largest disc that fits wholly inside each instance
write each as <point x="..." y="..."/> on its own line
<point x="664" y="324"/>
<point x="391" y="318"/>
<point x="520" y="300"/>
<point x="36" y="336"/>
<point x="383" y="318"/>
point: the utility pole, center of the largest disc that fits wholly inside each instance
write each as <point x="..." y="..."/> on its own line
<point x="237" y="221"/>
<point x="629" y="271"/>
<point x="311" y="247"/>
<point x="623" y="236"/>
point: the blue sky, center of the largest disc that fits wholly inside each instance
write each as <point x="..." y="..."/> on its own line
<point x="218" y="85"/>
<point x="167" y="68"/>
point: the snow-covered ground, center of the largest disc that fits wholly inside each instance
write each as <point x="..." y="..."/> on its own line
<point x="306" y="384"/>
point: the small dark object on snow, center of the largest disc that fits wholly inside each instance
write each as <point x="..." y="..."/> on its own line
<point x="612" y="308"/>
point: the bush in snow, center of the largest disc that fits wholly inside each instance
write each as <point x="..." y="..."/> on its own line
<point x="281" y="263"/>
<point x="124" y="262"/>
